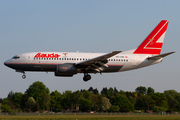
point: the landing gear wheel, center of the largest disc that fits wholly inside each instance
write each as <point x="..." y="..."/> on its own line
<point x="24" y="76"/>
<point x="86" y="77"/>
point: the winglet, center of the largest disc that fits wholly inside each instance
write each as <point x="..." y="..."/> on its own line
<point x="154" y="41"/>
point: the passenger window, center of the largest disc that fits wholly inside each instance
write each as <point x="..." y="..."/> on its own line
<point x="69" y="58"/>
<point x="74" y="58"/>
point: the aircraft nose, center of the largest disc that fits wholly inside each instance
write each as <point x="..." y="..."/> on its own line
<point x="7" y="63"/>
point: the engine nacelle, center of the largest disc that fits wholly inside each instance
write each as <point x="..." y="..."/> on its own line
<point x="66" y="70"/>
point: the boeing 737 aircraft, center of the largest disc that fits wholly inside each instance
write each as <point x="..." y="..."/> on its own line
<point x="67" y="64"/>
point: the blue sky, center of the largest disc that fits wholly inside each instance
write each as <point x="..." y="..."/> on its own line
<point x="88" y="26"/>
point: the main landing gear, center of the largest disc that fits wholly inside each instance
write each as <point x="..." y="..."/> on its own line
<point x="86" y="77"/>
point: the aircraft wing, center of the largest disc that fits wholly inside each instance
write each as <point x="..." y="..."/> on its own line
<point x="97" y="62"/>
<point x="160" y="56"/>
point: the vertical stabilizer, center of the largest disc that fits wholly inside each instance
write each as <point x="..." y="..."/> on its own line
<point x="154" y="41"/>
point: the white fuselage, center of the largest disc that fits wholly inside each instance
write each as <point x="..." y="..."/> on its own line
<point x="49" y="60"/>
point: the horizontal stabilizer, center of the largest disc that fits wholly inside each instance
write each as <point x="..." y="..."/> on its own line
<point x="160" y="56"/>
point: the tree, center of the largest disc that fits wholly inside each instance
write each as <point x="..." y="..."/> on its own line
<point x="95" y="91"/>
<point x="38" y="91"/>
<point x="86" y="94"/>
<point x="1" y="100"/>
<point x="45" y="103"/>
<point x="105" y="104"/>
<point x="17" y="98"/>
<point x="114" y="108"/>
<point x="104" y="92"/>
<point x="121" y="92"/>
<point x="122" y="102"/>
<point x="10" y="95"/>
<point x="159" y="109"/>
<point x="141" y="90"/>
<point x="150" y="90"/>
<point x="85" y="104"/>
<point x="97" y="101"/>
<point x="23" y="101"/>
<point x="5" y="107"/>
<point x="115" y="90"/>
<point x="10" y="101"/>
<point x="67" y="100"/>
<point x="161" y="100"/>
<point x="173" y="100"/>
<point x="90" y="89"/>
<point x="56" y="100"/>
<point x="30" y="103"/>
<point x="145" y="102"/>
<point x="111" y="93"/>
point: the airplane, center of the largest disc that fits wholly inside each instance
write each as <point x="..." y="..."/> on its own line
<point x="67" y="64"/>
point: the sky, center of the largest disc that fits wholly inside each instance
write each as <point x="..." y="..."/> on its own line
<point x="88" y="26"/>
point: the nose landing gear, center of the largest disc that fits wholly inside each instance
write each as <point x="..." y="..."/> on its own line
<point x="24" y="75"/>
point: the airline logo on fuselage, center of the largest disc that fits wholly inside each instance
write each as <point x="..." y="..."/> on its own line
<point x="41" y="55"/>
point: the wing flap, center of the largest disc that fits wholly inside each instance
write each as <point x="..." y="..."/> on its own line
<point x="100" y="58"/>
<point x="98" y="63"/>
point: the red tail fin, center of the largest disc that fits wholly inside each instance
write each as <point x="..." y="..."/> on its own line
<point x="154" y="41"/>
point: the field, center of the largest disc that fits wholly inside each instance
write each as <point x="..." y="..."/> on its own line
<point x="92" y="117"/>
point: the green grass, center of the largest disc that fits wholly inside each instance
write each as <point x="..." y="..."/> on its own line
<point x="92" y="117"/>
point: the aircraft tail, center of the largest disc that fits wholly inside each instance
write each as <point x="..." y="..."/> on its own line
<point x="154" y="41"/>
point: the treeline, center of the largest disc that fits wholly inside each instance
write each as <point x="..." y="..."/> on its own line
<point x="38" y="98"/>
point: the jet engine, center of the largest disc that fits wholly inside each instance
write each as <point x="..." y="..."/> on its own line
<point x="66" y="70"/>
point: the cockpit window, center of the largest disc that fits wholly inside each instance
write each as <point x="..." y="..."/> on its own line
<point x="16" y="57"/>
